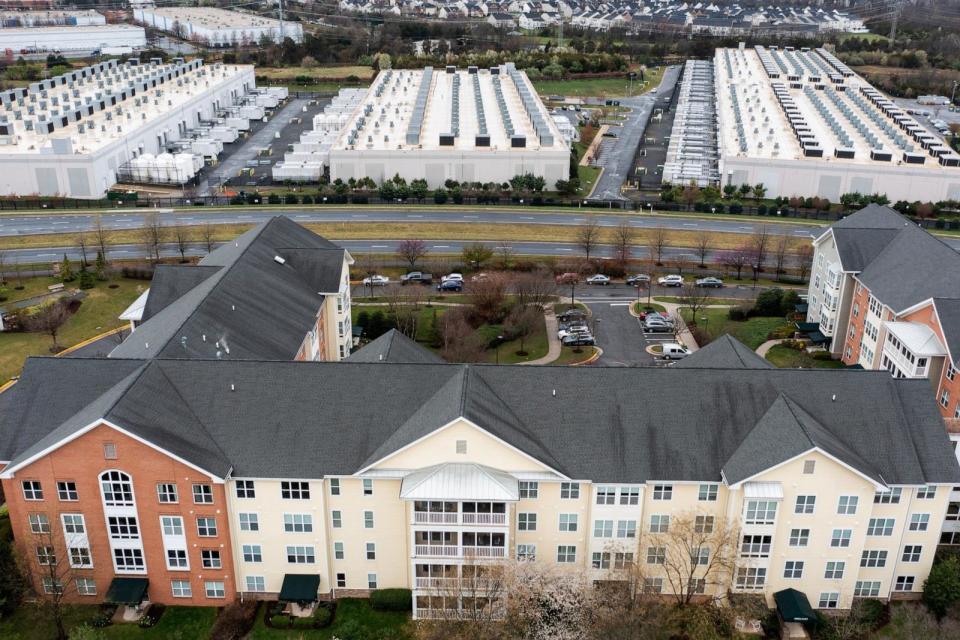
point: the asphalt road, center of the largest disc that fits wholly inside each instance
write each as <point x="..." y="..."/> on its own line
<point x="619" y="334"/>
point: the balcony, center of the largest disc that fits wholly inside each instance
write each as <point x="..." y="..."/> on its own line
<point x="462" y="585"/>
<point x="484" y="552"/>
<point x="497" y="519"/>
<point x="436" y="551"/>
<point x="433" y="517"/>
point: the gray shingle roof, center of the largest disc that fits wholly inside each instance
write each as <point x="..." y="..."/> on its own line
<point x="607" y="424"/>
<point x="726" y="352"/>
<point x="170" y="282"/>
<point x="948" y="310"/>
<point x="858" y="247"/>
<point x="250" y="307"/>
<point x="393" y="346"/>
<point x="872" y="216"/>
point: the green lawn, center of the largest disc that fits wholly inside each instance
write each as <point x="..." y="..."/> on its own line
<point x="594" y="87"/>
<point x="588" y="177"/>
<point x="568" y="356"/>
<point x="350" y="612"/>
<point x="98" y="313"/>
<point x="787" y="358"/>
<point x="677" y="300"/>
<point x="752" y="332"/>
<point x="32" y="622"/>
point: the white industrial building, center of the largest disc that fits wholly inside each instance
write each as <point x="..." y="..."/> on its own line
<point x="217" y="27"/>
<point x="84" y="18"/>
<point x="804" y="124"/>
<point x="72" y="135"/>
<point x="68" y="38"/>
<point x="468" y="125"/>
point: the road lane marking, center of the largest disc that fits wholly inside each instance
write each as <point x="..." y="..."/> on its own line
<point x="378" y="246"/>
<point x="620" y="304"/>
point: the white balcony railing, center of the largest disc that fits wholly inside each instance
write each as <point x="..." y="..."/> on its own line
<point x="483" y="552"/>
<point x="436" y="550"/>
<point x="444" y="517"/>
<point x="455" y="614"/>
<point x="485" y="518"/>
<point x="464" y="585"/>
<point x="433" y="517"/>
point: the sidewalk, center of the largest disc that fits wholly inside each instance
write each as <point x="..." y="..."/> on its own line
<point x="553" y="352"/>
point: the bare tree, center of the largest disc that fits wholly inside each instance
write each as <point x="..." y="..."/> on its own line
<point x="737" y="259"/>
<point x="82" y="245"/>
<point x="759" y="243"/>
<point x="623" y="238"/>
<point x="694" y="298"/>
<point x="682" y="261"/>
<point x="477" y="254"/>
<point x="780" y="254"/>
<point x="405" y="309"/>
<point x="535" y="289"/>
<point x="488" y="298"/>
<point x="703" y="245"/>
<point x="805" y="259"/>
<point x="3" y="267"/>
<point x="207" y="236"/>
<point x="48" y="319"/>
<point x="588" y="236"/>
<point x="521" y="324"/>
<point x="47" y="561"/>
<point x="656" y="243"/>
<point x="690" y="194"/>
<point x="100" y="235"/>
<point x="181" y="235"/>
<point x="410" y="251"/>
<point x="505" y="255"/>
<point x="153" y="234"/>
<point x="458" y="341"/>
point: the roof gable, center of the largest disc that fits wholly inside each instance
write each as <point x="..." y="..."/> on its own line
<point x="725" y="352"/>
<point x="395" y="347"/>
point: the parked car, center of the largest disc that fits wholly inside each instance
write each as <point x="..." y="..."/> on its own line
<point x="670" y="281"/>
<point x="598" y="278"/>
<point x="572" y="315"/>
<point x="577" y="339"/>
<point x="376" y="281"/>
<point x="483" y="275"/>
<point x="638" y="279"/>
<point x="656" y="315"/>
<point x="657" y="325"/>
<point x="568" y="278"/>
<point x="572" y="330"/>
<point x="674" y="351"/>
<point x="450" y="285"/>
<point x="716" y="283"/>
<point x="452" y="276"/>
<point x="416" y="277"/>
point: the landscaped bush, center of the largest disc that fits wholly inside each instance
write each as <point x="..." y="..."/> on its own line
<point x="322" y="617"/>
<point x="291" y="198"/>
<point x="237" y="200"/>
<point x="280" y="621"/>
<point x="302" y="623"/>
<point x="235" y="621"/>
<point x="137" y="273"/>
<point x="101" y="620"/>
<point x="796" y="345"/>
<point x="874" y="613"/>
<point x="391" y="600"/>
<point x="822" y="355"/>
<point x="273" y="199"/>
<point x="307" y="199"/>
<point x="738" y="314"/>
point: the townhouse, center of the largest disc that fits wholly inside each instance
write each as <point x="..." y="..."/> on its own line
<point x="198" y="480"/>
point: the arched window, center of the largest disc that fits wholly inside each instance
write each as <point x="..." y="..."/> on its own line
<point x="117" y="489"/>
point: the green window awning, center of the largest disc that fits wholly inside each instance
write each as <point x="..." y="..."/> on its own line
<point x="299" y="587"/>
<point x="793" y="606"/>
<point x="807" y="327"/>
<point x="817" y="338"/>
<point x="127" y="591"/>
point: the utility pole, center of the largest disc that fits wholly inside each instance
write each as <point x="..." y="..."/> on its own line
<point x="280" y="2"/>
<point x="896" y="18"/>
<point x="560" y="32"/>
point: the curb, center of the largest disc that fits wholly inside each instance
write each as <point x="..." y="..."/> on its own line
<point x="590" y="360"/>
<point x="6" y="385"/>
<point x="88" y="341"/>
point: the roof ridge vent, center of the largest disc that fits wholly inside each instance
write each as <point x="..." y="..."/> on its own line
<point x="279" y="260"/>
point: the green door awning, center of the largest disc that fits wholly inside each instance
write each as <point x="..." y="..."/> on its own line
<point x="299" y="587"/>
<point x="807" y="327"/>
<point x="127" y="591"/>
<point x="793" y="606"/>
<point x="818" y="338"/>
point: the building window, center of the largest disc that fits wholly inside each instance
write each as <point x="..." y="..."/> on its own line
<point x="887" y="497"/>
<point x="809" y="466"/>
<point x="86" y="586"/>
<point x="829" y="600"/>
<point x="847" y="505"/>
<point x="341" y="580"/>
<point x="659" y="523"/>
<point x="39" y="523"/>
<point x="622" y="560"/>
<point x="371" y="581"/>
<point x="214" y="589"/>
<point x="67" y="491"/>
<point x="749" y="578"/>
<point x="629" y="495"/>
<point x="338" y="553"/>
<point x="171" y="525"/>
<point x="656" y="555"/>
<point x="249" y="522"/>
<point x="529" y="490"/>
<point x="109" y="451"/>
<point x="301" y="554"/>
<point x="371" y="551"/>
<point x="256" y="584"/>
<point x="206" y="527"/>
<point x="80" y="557"/>
<point x="834" y="570"/>
<point x="181" y="589"/>
<point x="880" y="527"/>
<point x="926" y="493"/>
<point x="32" y="490"/>
<point x="662" y="491"/>
<point x="334" y="486"/>
<point x="73" y="523"/>
<point x="177" y="559"/>
<point x="337" y="519"/>
<point x="904" y="583"/>
<point x="210" y="559"/>
<point x="653" y="585"/>
<point x="799" y="537"/>
<point x="166" y="492"/>
<point x="606" y="495"/>
<point x="202" y="494"/>
<point x="873" y="558"/>
<point x="805" y="504"/>
<point x="46" y="556"/>
<point x="526" y="552"/>
<point x="246" y="489"/>
<point x="755" y="547"/>
<point x="128" y="559"/>
<point x="566" y="554"/>
<point x="600" y="560"/>
<point x="123" y="528"/>
<point x="293" y="490"/>
<point x="761" y="512"/>
<point x="919" y="521"/>
<point x="297" y="522"/>
<point x="603" y="528"/>
<point x="911" y="553"/>
<point x="700" y="556"/>
<point x="526" y="521"/>
<point x="708" y="493"/>
<point x="570" y="490"/>
<point x="461" y="447"/>
<point x="568" y="522"/>
<point x="866" y="589"/>
<point x="840" y="538"/>
<point x="51" y="586"/>
<point x="367" y="487"/>
<point x="368" y="519"/>
<point x="703" y="524"/>
<point x="626" y="528"/>
<point x="793" y="569"/>
<point x="117" y="489"/>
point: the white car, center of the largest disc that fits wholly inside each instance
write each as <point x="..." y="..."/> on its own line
<point x="572" y="330"/>
<point x="674" y="351"/>
<point x="670" y="281"/>
<point x="376" y="281"/>
<point x="453" y="276"/>
<point x="598" y="278"/>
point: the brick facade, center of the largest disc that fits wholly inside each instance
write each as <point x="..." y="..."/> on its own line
<point x="82" y="461"/>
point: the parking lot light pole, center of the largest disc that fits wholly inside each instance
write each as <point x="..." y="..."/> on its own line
<point x="497" y="350"/>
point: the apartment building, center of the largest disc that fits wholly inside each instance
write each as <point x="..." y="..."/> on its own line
<point x="277" y="292"/>
<point x="252" y="476"/>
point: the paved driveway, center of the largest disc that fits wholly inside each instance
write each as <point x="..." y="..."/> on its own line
<point x="619" y="334"/>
